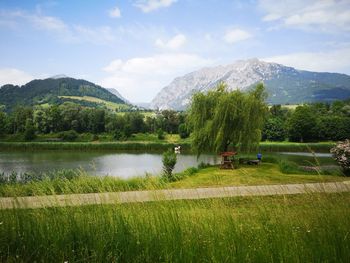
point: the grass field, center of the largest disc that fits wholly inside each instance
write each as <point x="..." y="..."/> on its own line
<point x="110" y="105"/>
<point x="302" y="228"/>
<point x="267" y="173"/>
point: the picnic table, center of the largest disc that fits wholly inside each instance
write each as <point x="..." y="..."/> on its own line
<point x="227" y="160"/>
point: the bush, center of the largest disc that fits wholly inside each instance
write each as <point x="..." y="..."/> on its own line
<point x="160" y="134"/>
<point x="341" y="153"/>
<point x="29" y="133"/>
<point x="68" y="135"/>
<point x="288" y="167"/>
<point x="118" y="135"/>
<point x="183" y="131"/>
<point x="169" y="162"/>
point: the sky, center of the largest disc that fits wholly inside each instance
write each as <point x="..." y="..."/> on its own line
<point x="140" y="46"/>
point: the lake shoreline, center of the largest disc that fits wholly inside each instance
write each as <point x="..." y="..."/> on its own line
<point x="322" y="147"/>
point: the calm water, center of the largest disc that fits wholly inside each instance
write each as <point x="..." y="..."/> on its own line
<point x="97" y="163"/>
<point x="121" y="164"/>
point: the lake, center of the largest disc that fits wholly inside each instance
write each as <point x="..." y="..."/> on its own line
<point x="122" y="164"/>
<point x="97" y="163"/>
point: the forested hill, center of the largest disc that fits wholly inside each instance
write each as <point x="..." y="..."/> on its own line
<point x="50" y="90"/>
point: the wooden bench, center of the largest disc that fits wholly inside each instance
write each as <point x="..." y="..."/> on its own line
<point x="253" y="162"/>
<point x="248" y="161"/>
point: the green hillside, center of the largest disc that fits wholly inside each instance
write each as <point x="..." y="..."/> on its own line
<point x="55" y="91"/>
<point x="87" y="99"/>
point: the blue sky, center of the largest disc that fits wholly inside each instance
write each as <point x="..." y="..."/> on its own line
<point x="139" y="46"/>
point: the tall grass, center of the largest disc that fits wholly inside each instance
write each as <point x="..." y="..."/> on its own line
<point x="304" y="228"/>
<point x="154" y="145"/>
<point x="86" y="146"/>
<point x="278" y="171"/>
<point x="71" y="182"/>
<point x="296" y="147"/>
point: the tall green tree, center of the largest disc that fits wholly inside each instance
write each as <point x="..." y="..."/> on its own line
<point x="274" y="130"/>
<point x="3" y="122"/>
<point x="302" y="125"/>
<point x="29" y="132"/>
<point x="222" y="118"/>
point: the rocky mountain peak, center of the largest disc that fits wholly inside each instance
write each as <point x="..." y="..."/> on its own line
<point x="284" y="84"/>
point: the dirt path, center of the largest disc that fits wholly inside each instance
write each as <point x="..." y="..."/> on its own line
<point x="169" y="194"/>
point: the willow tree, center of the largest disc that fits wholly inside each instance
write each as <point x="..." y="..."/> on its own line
<point x="223" y="118"/>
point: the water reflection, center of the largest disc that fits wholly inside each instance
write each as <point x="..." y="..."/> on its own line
<point x="98" y="163"/>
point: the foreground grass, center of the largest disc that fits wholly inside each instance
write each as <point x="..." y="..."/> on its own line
<point x="77" y="181"/>
<point x="303" y="228"/>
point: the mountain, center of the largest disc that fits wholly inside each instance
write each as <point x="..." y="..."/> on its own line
<point x="55" y="90"/>
<point x="285" y="85"/>
<point x="60" y="76"/>
<point x="115" y="92"/>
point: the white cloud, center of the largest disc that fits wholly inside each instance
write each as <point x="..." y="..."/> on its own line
<point x="151" y="5"/>
<point x="38" y="21"/>
<point x="236" y="35"/>
<point x="142" y="77"/>
<point x="115" y="65"/>
<point x="332" y="61"/>
<point x="326" y="15"/>
<point x="47" y="22"/>
<point x="174" y="43"/>
<point x="58" y="28"/>
<point x="14" y="76"/>
<point x="95" y="35"/>
<point x="115" y="12"/>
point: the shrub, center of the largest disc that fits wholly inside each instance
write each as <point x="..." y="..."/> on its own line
<point x="118" y="135"/>
<point x="288" y="167"/>
<point x="68" y="135"/>
<point x="160" y="134"/>
<point x="169" y="162"/>
<point x="341" y="153"/>
<point x="127" y="132"/>
<point x="29" y="132"/>
<point x="183" y="131"/>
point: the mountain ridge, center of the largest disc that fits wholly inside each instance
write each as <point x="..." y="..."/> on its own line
<point x="50" y="90"/>
<point x="285" y="85"/>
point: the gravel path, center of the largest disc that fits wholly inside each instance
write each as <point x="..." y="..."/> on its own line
<point x="169" y="194"/>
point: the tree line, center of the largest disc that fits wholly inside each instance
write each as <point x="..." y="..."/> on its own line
<point x="308" y="122"/>
<point x="78" y="119"/>
<point x="305" y="123"/>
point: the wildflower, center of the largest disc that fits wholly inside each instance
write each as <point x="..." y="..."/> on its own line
<point x="341" y="153"/>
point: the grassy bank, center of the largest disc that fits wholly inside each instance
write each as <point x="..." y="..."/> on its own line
<point x="139" y="143"/>
<point x="296" y="147"/>
<point x="77" y="181"/>
<point x="303" y="228"/>
<point x="87" y="146"/>
<point x="96" y="138"/>
<point x="266" y="173"/>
